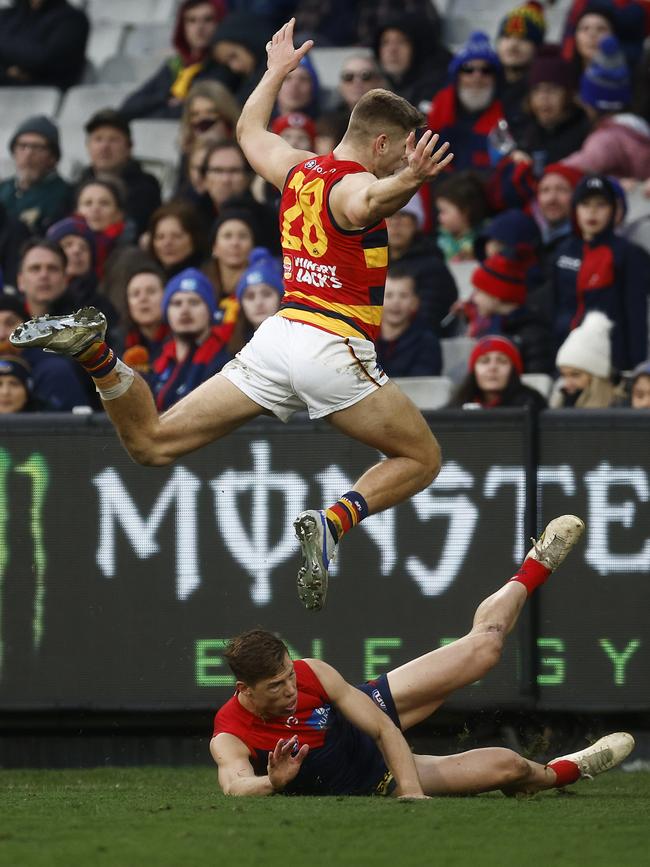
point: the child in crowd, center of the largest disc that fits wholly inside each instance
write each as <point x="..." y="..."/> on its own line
<point x="406" y="346"/>
<point x="640" y="387"/>
<point x="493" y="380"/>
<point x="15" y="382"/>
<point x="584" y="362"/>
<point x="259" y="293"/>
<point x="462" y="207"/>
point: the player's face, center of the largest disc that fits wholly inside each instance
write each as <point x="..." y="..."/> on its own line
<point x="492" y="371"/>
<point x="574" y="380"/>
<point x="277" y="695"/>
<point x="390" y="155"/>
<point x="554" y="198"/>
<point x="641" y="392"/>
<point x="258" y="302"/>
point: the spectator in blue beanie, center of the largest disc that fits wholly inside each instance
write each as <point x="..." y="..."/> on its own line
<point x="196" y="349"/>
<point x="259" y="293"/>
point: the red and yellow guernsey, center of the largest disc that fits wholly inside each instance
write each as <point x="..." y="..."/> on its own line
<point x="334" y="278"/>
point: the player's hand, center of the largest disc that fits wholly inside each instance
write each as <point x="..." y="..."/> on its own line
<point x="282" y="57"/>
<point x="423" y="160"/>
<point x="282" y="766"/>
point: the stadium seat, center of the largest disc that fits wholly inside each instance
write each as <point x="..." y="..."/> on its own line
<point x="155" y="144"/>
<point x="19" y="103"/>
<point x="541" y="382"/>
<point x="149" y="39"/>
<point x="104" y="42"/>
<point x="81" y="102"/>
<point x="128" y="69"/>
<point x="455" y="355"/>
<point x="130" y="12"/>
<point x="426" y="392"/>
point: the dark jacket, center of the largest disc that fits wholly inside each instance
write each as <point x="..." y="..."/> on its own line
<point x="56" y="380"/>
<point x="532" y="336"/>
<point x="608" y="274"/>
<point x="48" y="44"/>
<point x="13" y="235"/>
<point x="434" y="282"/>
<point x="143" y="192"/>
<point x="41" y="205"/>
<point x="171" y="380"/>
<point x="252" y="32"/>
<point x="550" y="145"/>
<point x="416" y="352"/>
<point x="516" y="394"/>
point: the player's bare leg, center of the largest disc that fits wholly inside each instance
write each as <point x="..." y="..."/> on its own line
<point x="209" y="412"/>
<point x="386" y="420"/>
<point x="485" y="770"/>
<point x="419" y="687"/>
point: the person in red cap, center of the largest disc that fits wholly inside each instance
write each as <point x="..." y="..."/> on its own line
<point x="552" y="207"/>
<point x="499" y="299"/>
<point x="297" y="128"/>
<point x="494" y="378"/>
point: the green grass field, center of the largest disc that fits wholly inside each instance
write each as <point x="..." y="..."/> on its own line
<point x="177" y="818"/>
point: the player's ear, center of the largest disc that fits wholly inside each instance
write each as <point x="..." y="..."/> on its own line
<point x="243" y="688"/>
<point x="381" y="143"/>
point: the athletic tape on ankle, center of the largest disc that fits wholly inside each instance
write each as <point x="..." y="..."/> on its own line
<point x="126" y="376"/>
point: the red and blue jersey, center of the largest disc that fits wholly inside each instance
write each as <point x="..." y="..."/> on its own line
<point x="334" y="278"/>
<point x="342" y="760"/>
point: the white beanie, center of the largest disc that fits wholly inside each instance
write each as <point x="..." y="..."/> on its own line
<point x="588" y="347"/>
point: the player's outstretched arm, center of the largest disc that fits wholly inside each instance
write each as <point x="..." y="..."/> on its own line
<point x="236" y="774"/>
<point x="362" y="713"/>
<point x="269" y="154"/>
<point x="360" y="200"/>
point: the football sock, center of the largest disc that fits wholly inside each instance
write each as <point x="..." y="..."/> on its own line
<point x="531" y="574"/>
<point x="111" y="376"/>
<point x="346" y="513"/>
<point x="566" y="772"/>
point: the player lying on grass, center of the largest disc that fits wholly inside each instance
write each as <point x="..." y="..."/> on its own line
<point x="300" y="728"/>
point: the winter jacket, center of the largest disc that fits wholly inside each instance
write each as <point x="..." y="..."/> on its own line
<point x="56" y="380"/>
<point x="548" y="145"/>
<point x="143" y="192"/>
<point x="42" y="204"/>
<point x="13" y="234"/>
<point x="171" y="380"/>
<point x="252" y="32"/>
<point x="619" y="146"/>
<point x="134" y="337"/>
<point x="416" y="352"/>
<point x="467" y="133"/>
<point x="48" y="45"/>
<point x="608" y="274"/>
<point x="434" y="283"/>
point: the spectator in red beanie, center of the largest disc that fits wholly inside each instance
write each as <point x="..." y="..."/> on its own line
<point x="493" y="381"/>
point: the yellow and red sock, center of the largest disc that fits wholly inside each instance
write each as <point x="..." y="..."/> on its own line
<point x="346" y="513"/>
<point x="566" y="772"/>
<point x="531" y="574"/>
<point x="98" y="359"/>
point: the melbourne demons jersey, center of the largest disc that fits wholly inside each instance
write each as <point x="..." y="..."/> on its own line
<point x="334" y="278"/>
<point x="342" y="760"/>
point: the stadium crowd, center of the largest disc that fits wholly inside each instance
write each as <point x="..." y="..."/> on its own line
<point x="527" y="256"/>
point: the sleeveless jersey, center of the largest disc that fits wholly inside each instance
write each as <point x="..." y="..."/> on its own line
<point x="342" y="760"/>
<point x="334" y="278"/>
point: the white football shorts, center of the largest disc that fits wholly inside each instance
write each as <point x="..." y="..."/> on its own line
<point x="288" y="366"/>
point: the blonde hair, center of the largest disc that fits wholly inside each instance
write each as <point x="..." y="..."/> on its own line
<point x="381" y="111"/>
<point x="223" y="101"/>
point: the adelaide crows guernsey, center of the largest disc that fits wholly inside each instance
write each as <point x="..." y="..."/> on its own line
<point x="334" y="278"/>
<point x="342" y="760"/>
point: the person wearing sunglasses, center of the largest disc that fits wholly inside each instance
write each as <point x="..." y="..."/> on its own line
<point x="466" y="110"/>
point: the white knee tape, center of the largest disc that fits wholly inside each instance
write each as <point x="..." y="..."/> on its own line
<point x="126" y="376"/>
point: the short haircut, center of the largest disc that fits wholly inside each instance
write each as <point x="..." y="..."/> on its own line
<point x="467" y="191"/>
<point x="255" y="655"/>
<point x="188" y="217"/>
<point x="225" y="146"/>
<point x="115" y="186"/>
<point x="43" y="244"/>
<point x="399" y="271"/>
<point x="382" y="111"/>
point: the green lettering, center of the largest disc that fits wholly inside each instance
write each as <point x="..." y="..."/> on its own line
<point x="316" y="650"/>
<point x="371" y="659"/>
<point x="37" y="469"/>
<point x="556" y="675"/>
<point x="620" y="660"/>
<point x="207" y="658"/>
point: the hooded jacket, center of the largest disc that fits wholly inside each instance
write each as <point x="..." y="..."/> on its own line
<point x="619" y="146"/>
<point x="608" y="274"/>
<point x="48" y="45"/>
<point x="177" y="74"/>
<point x="252" y="32"/>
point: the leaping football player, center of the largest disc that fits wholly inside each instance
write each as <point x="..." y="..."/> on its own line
<point x="318" y="352"/>
<point x="300" y="728"/>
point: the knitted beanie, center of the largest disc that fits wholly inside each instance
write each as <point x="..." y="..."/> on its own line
<point x="605" y="83"/>
<point x="13" y="364"/>
<point x="39" y="125"/>
<point x="190" y="280"/>
<point x="77" y="226"/>
<point x="295" y="120"/>
<point x="501" y="277"/>
<point x="525" y="22"/>
<point x="262" y="268"/>
<point x="477" y="47"/>
<point x="571" y="176"/>
<point x="589" y="347"/>
<point x="496" y="343"/>
<point x="549" y="67"/>
<point x="516" y="230"/>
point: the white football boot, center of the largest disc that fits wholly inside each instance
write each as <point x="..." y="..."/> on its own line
<point x="559" y="537"/>
<point x="605" y="754"/>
